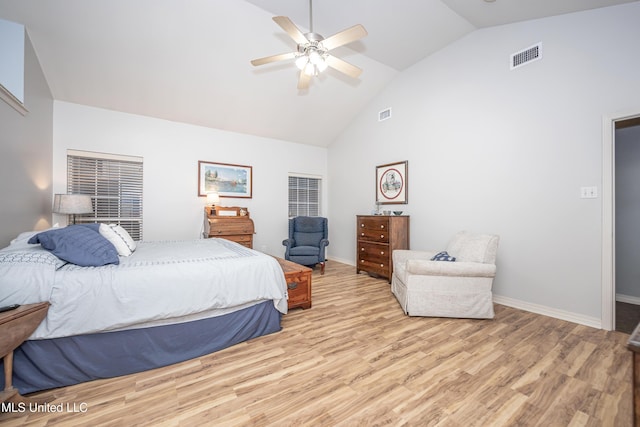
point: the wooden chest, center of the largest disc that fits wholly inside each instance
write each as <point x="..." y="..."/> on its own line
<point x="238" y="229"/>
<point x="377" y="237"/>
<point x="298" y="279"/>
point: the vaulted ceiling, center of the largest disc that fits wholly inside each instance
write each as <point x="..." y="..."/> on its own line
<point x="188" y="61"/>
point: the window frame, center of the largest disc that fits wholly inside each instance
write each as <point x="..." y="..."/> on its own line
<point x="310" y="208"/>
<point x="114" y="182"/>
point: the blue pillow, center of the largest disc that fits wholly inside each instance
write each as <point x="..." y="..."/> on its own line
<point x="443" y="256"/>
<point x="78" y="244"/>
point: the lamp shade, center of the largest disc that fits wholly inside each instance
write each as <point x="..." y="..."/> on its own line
<point x="72" y="204"/>
<point x="213" y="198"/>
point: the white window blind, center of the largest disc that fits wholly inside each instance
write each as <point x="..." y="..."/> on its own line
<point x="304" y="196"/>
<point x="115" y="185"/>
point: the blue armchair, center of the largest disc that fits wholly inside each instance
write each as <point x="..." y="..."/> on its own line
<point x="308" y="238"/>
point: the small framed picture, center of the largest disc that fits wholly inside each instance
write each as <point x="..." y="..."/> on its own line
<point x="225" y="179"/>
<point x="391" y="183"/>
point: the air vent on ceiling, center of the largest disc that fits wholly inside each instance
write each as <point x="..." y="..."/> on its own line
<point x="384" y="114"/>
<point x="526" y="56"/>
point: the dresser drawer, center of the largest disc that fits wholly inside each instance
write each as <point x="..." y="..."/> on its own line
<point x="243" y="239"/>
<point x="373" y="224"/>
<point x="378" y="253"/>
<point x="219" y="227"/>
<point x="373" y="235"/>
<point x="380" y="268"/>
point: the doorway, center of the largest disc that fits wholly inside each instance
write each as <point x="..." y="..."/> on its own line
<point x="626" y="225"/>
<point x="618" y="314"/>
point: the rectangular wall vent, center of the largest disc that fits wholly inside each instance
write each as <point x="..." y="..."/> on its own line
<point x="526" y="56"/>
<point x="384" y="114"/>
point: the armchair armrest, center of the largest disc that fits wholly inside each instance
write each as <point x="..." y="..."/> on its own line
<point x="403" y="255"/>
<point x="444" y="268"/>
<point x="288" y="242"/>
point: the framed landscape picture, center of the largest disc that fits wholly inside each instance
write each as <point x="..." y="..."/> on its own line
<point x="391" y="183"/>
<point x="226" y="179"/>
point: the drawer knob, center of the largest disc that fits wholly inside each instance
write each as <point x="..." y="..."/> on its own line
<point x="382" y="226"/>
<point x="361" y="260"/>
<point x="362" y="234"/>
<point x="362" y="249"/>
<point x="382" y="236"/>
<point x="381" y="265"/>
<point x="362" y="225"/>
<point x="381" y="252"/>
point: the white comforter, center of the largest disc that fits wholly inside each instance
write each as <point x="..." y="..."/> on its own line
<point x="161" y="282"/>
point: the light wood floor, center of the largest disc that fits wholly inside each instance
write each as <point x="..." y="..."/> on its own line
<point x="354" y="359"/>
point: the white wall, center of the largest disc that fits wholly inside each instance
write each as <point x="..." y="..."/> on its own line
<point x="500" y="151"/>
<point x="25" y="155"/>
<point x="627" y="149"/>
<point x="172" y="208"/>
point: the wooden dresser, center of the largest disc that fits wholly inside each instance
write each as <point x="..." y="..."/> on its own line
<point x="231" y="223"/>
<point x="377" y="237"/>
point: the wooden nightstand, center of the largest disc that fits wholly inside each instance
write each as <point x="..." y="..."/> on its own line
<point x="298" y="279"/>
<point x="15" y="327"/>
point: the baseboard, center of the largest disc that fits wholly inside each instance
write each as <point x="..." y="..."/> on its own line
<point x="340" y="260"/>
<point x="547" y="311"/>
<point x="628" y="299"/>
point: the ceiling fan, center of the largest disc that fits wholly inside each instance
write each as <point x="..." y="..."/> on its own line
<point x="312" y="55"/>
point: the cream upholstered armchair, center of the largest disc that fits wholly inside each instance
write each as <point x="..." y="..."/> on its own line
<point x="462" y="288"/>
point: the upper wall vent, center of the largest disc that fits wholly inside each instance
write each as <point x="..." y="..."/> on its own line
<point x="384" y="114"/>
<point x="526" y="56"/>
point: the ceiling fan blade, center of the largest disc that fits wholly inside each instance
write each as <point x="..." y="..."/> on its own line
<point x="273" y="58"/>
<point x="343" y="66"/>
<point x="293" y="31"/>
<point x="344" y="37"/>
<point x="303" y="80"/>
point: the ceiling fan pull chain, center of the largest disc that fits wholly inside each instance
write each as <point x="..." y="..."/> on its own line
<point x="311" y="16"/>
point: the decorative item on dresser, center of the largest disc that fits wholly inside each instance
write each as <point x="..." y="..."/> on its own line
<point x="377" y="237"/>
<point x="231" y="223"/>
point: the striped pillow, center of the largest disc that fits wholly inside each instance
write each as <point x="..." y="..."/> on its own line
<point x="119" y="237"/>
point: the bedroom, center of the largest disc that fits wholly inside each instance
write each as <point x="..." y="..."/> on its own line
<point x="489" y="149"/>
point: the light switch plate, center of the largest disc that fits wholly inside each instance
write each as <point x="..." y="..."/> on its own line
<point x="588" y="192"/>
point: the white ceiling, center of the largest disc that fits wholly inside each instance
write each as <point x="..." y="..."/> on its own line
<point x="188" y="61"/>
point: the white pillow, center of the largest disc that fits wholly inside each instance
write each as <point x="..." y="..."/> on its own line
<point x="119" y="237"/>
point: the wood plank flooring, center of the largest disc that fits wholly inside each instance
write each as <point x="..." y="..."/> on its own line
<point x="354" y="359"/>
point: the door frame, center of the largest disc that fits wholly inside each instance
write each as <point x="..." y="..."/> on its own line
<point x="608" y="313"/>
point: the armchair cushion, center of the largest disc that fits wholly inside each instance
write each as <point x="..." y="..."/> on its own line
<point x="307" y="239"/>
<point x="472" y="247"/>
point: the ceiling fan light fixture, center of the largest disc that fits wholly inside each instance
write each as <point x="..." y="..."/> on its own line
<point x="314" y="57"/>
<point x="310" y="69"/>
<point x="301" y="61"/>
<point x="322" y="65"/>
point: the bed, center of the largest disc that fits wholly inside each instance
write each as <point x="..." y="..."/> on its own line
<point x="164" y="303"/>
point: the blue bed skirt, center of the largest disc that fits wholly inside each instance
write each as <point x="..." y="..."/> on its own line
<point x="45" y="364"/>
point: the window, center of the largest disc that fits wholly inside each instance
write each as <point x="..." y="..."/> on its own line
<point x="115" y="185"/>
<point x="304" y="196"/>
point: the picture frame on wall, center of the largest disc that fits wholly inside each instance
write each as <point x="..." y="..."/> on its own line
<point x="392" y="183"/>
<point x="227" y="179"/>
